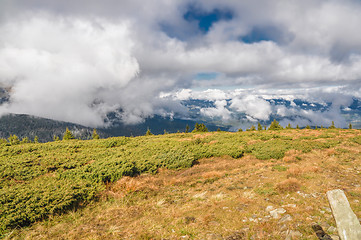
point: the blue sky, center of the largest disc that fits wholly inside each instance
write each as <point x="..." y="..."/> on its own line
<point x="88" y="58"/>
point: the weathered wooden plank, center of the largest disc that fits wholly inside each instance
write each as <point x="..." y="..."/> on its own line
<point x="348" y="226"/>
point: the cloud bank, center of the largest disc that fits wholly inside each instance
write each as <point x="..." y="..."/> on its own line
<point x="78" y="61"/>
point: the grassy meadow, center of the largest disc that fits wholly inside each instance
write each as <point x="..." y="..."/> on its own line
<point x="213" y="185"/>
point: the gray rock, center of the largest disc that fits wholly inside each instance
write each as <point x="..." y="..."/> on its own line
<point x="290" y="205"/>
<point x="285" y="218"/>
<point x="347" y="223"/>
<point x="269" y="208"/>
<point x="276" y="213"/>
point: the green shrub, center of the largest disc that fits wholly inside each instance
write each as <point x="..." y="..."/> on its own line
<point x="115" y="142"/>
<point x="200" y="127"/>
<point x="272" y="149"/>
<point x="279" y="168"/>
<point x="176" y="159"/>
<point x="23" y="204"/>
<point x="236" y="154"/>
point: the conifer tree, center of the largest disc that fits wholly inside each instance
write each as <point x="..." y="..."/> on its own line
<point x="148" y="133"/>
<point x="332" y="125"/>
<point x="36" y="139"/>
<point x="56" y="138"/>
<point x="275" y="125"/>
<point x="240" y="130"/>
<point x="95" y="135"/>
<point x="13" y="139"/>
<point x="259" y="127"/>
<point x="289" y="126"/>
<point x="218" y="130"/>
<point x="187" y="129"/>
<point x="308" y="127"/>
<point x="350" y="126"/>
<point x="68" y="135"/>
<point x="165" y="132"/>
<point x="200" y="127"/>
<point x="297" y="127"/>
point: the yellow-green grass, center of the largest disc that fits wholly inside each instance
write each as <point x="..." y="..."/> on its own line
<point x="175" y="186"/>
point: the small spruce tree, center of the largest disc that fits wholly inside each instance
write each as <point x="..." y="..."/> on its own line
<point x="259" y="127"/>
<point x="350" y="126"/>
<point x="95" y="135"/>
<point x="297" y="127"/>
<point x="218" y="130"/>
<point x="332" y="125"/>
<point x="36" y="139"/>
<point x="148" y="133"/>
<point x="13" y="139"/>
<point x="275" y="125"/>
<point x="200" y="127"/>
<point x="240" y="130"/>
<point x="308" y="127"/>
<point x="187" y="129"/>
<point x="68" y="135"/>
<point x="56" y="138"/>
<point x="289" y="126"/>
<point x="165" y="132"/>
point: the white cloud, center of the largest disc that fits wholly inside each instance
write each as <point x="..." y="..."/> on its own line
<point x="76" y="61"/>
<point x="253" y="106"/>
<point x="219" y="110"/>
<point x="71" y="73"/>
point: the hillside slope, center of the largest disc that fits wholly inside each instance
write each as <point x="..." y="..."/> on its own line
<point x="220" y="185"/>
<point x="45" y="129"/>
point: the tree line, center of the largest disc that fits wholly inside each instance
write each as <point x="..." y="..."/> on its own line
<point x="198" y="127"/>
<point x="68" y="135"/>
<point x="275" y="125"/>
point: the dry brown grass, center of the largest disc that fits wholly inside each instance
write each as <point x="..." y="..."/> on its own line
<point x="289" y="185"/>
<point x="213" y="174"/>
<point x="291" y="156"/>
<point x="297" y="171"/>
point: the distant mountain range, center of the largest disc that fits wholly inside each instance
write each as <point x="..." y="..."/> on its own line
<point x="285" y="111"/>
<point x="295" y="111"/>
